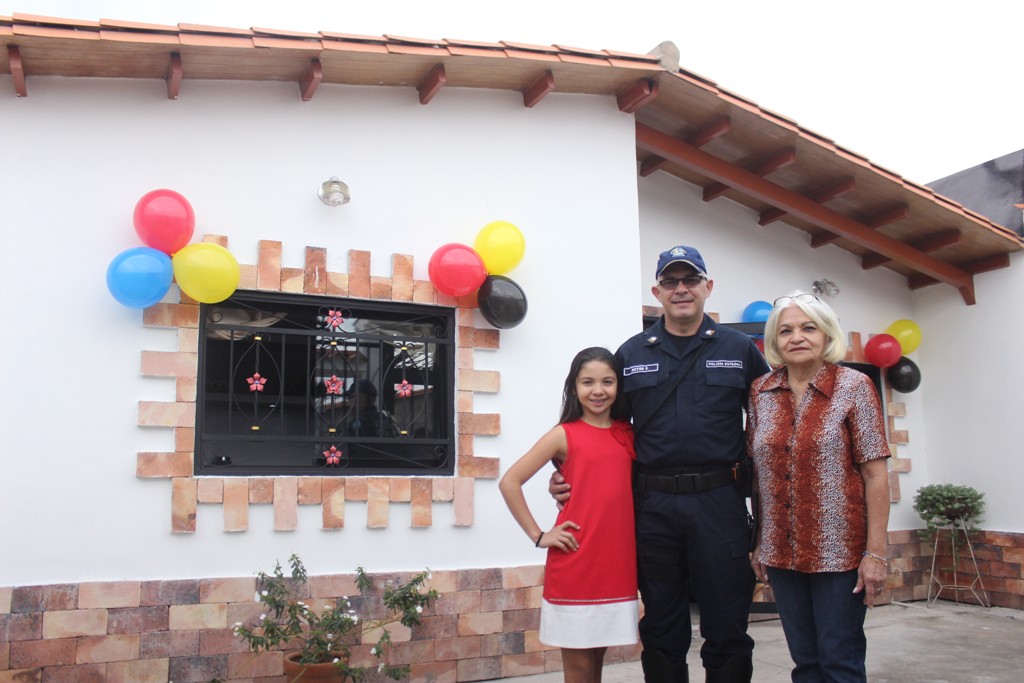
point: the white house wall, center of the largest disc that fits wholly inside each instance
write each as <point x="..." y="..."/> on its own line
<point x="974" y="381"/>
<point x="79" y="153"/>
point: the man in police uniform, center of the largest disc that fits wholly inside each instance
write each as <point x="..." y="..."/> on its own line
<point x="691" y="518"/>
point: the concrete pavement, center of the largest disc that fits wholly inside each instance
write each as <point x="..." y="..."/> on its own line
<point x="907" y="643"/>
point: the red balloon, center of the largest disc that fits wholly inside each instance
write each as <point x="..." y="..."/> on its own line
<point x="883" y="350"/>
<point x="164" y="220"/>
<point x="456" y="269"/>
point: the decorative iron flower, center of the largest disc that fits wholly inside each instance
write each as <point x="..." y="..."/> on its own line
<point x="404" y="389"/>
<point x="334" y="319"/>
<point x="256" y="382"/>
<point x="334" y="385"/>
<point x="333" y="456"/>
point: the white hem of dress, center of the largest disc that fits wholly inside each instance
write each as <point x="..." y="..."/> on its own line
<point x="589" y="626"/>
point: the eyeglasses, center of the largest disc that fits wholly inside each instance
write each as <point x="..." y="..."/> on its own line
<point x="784" y="301"/>
<point x="670" y="283"/>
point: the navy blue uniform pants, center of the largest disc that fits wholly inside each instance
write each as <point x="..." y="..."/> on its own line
<point x="698" y="541"/>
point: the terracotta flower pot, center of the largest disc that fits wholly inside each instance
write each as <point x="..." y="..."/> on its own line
<point x="310" y="673"/>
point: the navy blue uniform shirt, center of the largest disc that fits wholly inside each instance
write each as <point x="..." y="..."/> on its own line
<point x="701" y="426"/>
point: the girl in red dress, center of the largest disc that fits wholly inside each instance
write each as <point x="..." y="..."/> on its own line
<point x="590" y="591"/>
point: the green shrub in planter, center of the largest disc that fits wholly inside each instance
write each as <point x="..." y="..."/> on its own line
<point x="943" y="505"/>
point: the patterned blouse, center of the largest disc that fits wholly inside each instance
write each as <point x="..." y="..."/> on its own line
<point x="813" y="513"/>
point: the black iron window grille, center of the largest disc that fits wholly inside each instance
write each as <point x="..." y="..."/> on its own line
<point x="305" y="385"/>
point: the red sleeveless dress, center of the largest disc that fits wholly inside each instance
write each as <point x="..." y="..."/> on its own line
<point x="590" y="596"/>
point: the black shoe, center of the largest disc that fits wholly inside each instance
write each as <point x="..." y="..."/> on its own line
<point x="658" y="669"/>
<point x="736" y="669"/>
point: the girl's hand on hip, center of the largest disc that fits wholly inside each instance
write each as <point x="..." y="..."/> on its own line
<point x="560" y="537"/>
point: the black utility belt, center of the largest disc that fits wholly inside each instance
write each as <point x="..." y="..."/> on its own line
<point x="684" y="483"/>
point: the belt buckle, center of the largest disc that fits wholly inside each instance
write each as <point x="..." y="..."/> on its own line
<point x="691" y="483"/>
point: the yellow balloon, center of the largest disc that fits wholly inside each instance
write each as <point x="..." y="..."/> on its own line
<point x="907" y="333"/>
<point x="501" y="246"/>
<point x="206" y="272"/>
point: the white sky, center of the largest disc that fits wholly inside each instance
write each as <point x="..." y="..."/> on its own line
<point x="923" y="87"/>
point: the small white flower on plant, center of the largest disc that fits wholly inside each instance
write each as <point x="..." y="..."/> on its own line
<point x="380" y="667"/>
<point x="373" y="651"/>
<point x="336" y="660"/>
<point x="263" y="617"/>
<point x="419" y="609"/>
<point x="430" y="576"/>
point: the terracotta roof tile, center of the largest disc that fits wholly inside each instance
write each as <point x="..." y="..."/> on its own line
<point x="285" y="34"/>
<point x="538" y="56"/>
<point x="474" y="43"/>
<point x="529" y="47"/>
<point x="400" y="49"/>
<point x="54" y="32"/>
<point x="355" y="37"/>
<point x="59" y="21"/>
<point x="632" y="64"/>
<point x="776" y="116"/>
<point x="414" y="41"/>
<point x="287" y="43"/>
<point x="117" y="23"/>
<point x="143" y="38"/>
<point x="740" y="102"/>
<point x="577" y="59"/>
<point x="350" y="46"/>
<point x="460" y="51"/>
<point x="582" y="51"/>
<point x="200" y="28"/>
<point x="632" y="55"/>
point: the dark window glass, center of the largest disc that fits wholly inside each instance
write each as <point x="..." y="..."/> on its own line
<point x="295" y="384"/>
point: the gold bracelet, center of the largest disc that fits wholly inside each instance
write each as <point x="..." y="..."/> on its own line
<point x="877" y="558"/>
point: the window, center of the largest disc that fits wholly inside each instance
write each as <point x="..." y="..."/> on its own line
<point x="307" y="385"/>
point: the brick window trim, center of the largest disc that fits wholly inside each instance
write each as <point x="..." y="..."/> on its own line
<point x="286" y="493"/>
<point x="893" y="409"/>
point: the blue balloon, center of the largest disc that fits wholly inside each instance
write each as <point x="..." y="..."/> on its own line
<point x="756" y="312"/>
<point x="140" y="277"/>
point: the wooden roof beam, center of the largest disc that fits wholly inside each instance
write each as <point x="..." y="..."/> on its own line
<point x="716" y="128"/>
<point x="775" y="162"/>
<point x="311" y="80"/>
<point x="927" y="245"/>
<point x="820" y="196"/>
<point x="17" y="70"/>
<point x="983" y="265"/>
<point x="638" y="95"/>
<point x="539" y="89"/>
<point x="174" y="76"/>
<point x="679" y="152"/>
<point x="432" y="84"/>
<point x="896" y="213"/>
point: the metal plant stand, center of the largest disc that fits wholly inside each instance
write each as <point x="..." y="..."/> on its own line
<point x="956" y="586"/>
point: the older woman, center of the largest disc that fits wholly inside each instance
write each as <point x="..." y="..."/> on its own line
<point x="816" y="435"/>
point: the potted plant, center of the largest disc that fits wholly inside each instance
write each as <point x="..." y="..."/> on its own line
<point x="949" y="506"/>
<point x="943" y="505"/>
<point x="320" y="640"/>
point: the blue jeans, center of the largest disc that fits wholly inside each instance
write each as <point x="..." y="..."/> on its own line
<point x="824" y="624"/>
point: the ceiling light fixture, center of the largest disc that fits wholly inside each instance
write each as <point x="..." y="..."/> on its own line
<point x="333" y="192"/>
<point x="824" y="287"/>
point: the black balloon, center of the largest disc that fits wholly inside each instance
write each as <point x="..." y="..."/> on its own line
<point x="905" y="376"/>
<point x="502" y="302"/>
